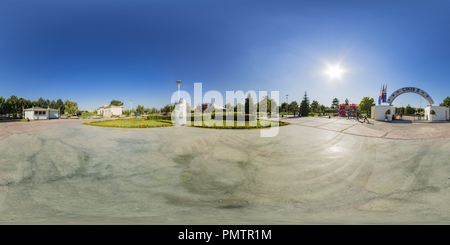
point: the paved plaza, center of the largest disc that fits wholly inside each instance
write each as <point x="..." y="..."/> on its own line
<point x="315" y="171"/>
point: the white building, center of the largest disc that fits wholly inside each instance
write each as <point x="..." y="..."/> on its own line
<point x="436" y="113"/>
<point x="38" y="113"/>
<point x="109" y="110"/>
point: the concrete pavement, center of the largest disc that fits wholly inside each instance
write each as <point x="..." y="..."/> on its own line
<point x="310" y="173"/>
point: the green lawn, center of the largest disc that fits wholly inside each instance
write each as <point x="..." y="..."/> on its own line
<point x="131" y="123"/>
<point x="144" y="123"/>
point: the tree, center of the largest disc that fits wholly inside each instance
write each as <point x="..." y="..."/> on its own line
<point x="446" y="102"/>
<point x="70" y="107"/>
<point x="239" y="107"/>
<point x="52" y="104"/>
<point x="12" y="105"/>
<point x="304" y="106"/>
<point x="229" y="107"/>
<point x="168" y="108"/>
<point x="283" y="107"/>
<point x="60" y="106"/>
<point x="322" y="108"/>
<point x="40" y="102"/>
<point x="335" y="103"/>
<point x="346" y="101"/>
<point x="264" y="105"/>
<point x="315" y="106"/>
<point x="249" y="105"/>
<point x="409" y="110"/>
<point x="2" y="105"/>
<point x="366" y="104"/>
<point x="116" y="102"/>
<point x="140" y="109"/>
<point x="21" y="105"/>
<point x="293" y="106"/>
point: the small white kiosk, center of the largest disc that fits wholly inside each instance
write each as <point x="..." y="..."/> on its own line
<point x="39" y="113"/>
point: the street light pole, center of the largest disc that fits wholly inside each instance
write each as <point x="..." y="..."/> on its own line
<point x="131" y="106"/>
<point x="178" y="82"/>
<point x="287" y="104"/>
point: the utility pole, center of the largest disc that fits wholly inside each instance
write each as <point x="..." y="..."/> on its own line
<point x="287" y="104"/>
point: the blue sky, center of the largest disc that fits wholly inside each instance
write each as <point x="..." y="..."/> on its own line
<point x="93" y="52"/>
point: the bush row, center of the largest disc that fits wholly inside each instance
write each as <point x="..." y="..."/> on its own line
<point x="150" y="117"/>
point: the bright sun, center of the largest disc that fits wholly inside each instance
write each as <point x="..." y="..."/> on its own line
<point x="334" y="72"/>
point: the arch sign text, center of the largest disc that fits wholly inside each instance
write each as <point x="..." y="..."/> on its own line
<point x="418" y="91"/>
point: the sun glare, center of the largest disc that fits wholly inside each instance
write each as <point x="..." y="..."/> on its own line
<point x="334" y="72"/>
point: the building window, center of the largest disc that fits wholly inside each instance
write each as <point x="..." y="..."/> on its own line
<point x="433" y="112"/>
<point x="43" y="113"/>
<point x="40" y="112"/>
<point x="36" y="112"/>
<point x="388" y="112"/>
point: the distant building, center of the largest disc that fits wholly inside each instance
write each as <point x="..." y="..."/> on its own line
<point x="109" y="110"/>
<point x="38" y="113"/>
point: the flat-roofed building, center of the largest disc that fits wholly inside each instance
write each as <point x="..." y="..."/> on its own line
<point x="39" y="113"/>
<point x="109" y="110"/>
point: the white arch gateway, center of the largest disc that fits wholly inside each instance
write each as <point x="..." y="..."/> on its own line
<point x="418" y="91"/>
<point x="432" y="113"/>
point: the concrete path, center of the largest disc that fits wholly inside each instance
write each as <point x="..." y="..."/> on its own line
<point x="388" y="130"/>
<point x="311" y="173"/>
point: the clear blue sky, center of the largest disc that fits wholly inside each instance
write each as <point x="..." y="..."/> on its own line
<point x="93" y="52"/>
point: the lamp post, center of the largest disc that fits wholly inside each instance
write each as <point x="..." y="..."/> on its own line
<point x="178" y="82"/>
<point x="131" y="106"/>
<point x="287" y="104"/>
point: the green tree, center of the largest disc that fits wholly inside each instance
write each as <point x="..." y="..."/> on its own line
<point x="315" y="106"/>
<point x="12" y="105"/>
<point x="60" y="106"/>
<point x="304" y="106"/>
<point x="249" y="105"/>
<point x="168" y="108"/>
<point x="264" y="105"/>
<point x="409" y="110"/>
<point x="22" y="105"/>
<point x="2" y="105"/>
<point x="322" y="108"/>
<point x="366" y="104"/>
<point x="283" y="107"/>
<point x="70" y="107"/>
<point x="40" y="102"/>
<point x="116" y="102"/>
<point x="140" y="109"/>
<point x="53" y="104"/>
<point x="293" y="106"/>
<point x="446" y="102"/>
<point x="346" y="101"/>
<point x="335" y="103"/>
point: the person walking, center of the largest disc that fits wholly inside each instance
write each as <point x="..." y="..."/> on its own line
<point x="365" y="118"/>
